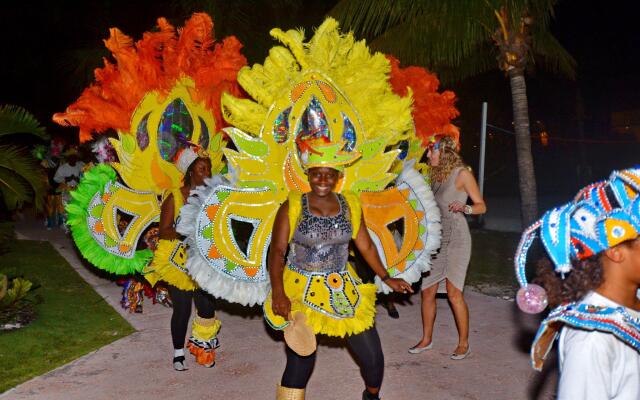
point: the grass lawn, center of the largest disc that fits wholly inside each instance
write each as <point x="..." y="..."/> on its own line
<point x="491" y="267"/>
<point x="72" y="319"/>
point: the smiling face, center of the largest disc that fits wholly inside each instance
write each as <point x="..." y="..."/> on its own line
<point x="198" y="171"/>
<point x="323" y="180"/>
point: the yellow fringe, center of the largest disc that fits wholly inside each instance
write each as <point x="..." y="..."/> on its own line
<point x="161" y="269"/>
<point x="321" y="323"/>
<point x="205" y="329"/>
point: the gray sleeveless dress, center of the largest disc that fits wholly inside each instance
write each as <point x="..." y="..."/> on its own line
<point x="452" y="260"/>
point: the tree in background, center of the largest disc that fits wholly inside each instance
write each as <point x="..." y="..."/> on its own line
<point x="21" y="179"/>
<point x="459" y="39"/>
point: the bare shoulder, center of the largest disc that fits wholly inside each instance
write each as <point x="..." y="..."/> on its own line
<point x="168" y="201"/>
<point x="465" y="175"/>
<point x="283" y="210"/>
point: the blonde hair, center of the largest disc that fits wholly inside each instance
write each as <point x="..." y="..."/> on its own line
<point x="449" y="160"/>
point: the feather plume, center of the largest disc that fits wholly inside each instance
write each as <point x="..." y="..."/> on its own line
<point x="432" y="111"/>
<point x="156" y="63"/>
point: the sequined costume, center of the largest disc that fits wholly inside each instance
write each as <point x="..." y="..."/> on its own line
<point x="161" y="95"/>
<point x="318" y="279"/>
<point x="300" y="92"/>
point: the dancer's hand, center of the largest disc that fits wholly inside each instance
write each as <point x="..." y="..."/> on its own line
<point x="399" y="285"/>
<point x="280" y="304"/>
<point x="456" y="206"/>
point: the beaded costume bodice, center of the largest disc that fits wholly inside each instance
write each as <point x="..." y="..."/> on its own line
<point x="321" y="244"/>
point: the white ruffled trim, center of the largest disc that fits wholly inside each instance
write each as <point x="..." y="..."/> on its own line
<point x="208" y="278"/>
<point x="422" y="264"/>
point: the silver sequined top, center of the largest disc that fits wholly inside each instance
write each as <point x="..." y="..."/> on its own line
<point x="321" y="244"/>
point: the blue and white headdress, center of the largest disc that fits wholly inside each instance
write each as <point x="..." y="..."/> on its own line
<point x="602" y="215"/>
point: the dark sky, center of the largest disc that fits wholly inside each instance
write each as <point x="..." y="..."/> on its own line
<point x="38" y="40"/>
<point x="40" y="61"/>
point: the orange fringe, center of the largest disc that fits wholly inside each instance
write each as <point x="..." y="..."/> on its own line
<point x="203" y="357"/>
<point x="432" y="111"/>
<point x="156" y="62"/>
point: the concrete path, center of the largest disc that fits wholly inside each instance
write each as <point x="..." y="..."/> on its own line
<point x="251" y="359"/>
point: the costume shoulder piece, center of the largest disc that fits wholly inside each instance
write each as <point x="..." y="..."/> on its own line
<point x="329" y="89"/>
<point x="161" y="95"/>
<point x="613" y="320"/>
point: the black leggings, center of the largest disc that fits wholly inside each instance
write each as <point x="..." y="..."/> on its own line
<point x="181" y="299"/>
<point x="366" y="348"/>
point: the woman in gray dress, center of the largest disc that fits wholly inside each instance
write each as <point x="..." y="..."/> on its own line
<point x="452" y="185"/>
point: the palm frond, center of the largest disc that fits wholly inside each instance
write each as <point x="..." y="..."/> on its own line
<point x="22" y="180"/>
<point x="453" y="38"/>
<point x="483" y="59"/>
<point x="15" y="191"/>
<point x="15" y="119"/>
<point x="372" y="18"/>
<point x="553" y="56"/>
<point x="542" y="11"/>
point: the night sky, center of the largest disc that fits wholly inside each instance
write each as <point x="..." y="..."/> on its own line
<point x="43" y="71"/>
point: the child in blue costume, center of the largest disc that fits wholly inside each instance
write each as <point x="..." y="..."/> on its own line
<point x="594" y="247"/>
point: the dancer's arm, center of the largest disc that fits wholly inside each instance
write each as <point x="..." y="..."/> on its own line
<point x="280" y="303"/>
<point x="467" y="182"/>
<point x="167" y="230"/>
<point x="370" y="253"/>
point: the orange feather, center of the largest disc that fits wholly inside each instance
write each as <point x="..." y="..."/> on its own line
<point x="156" y="62"/>
<point x="432" y="111"/>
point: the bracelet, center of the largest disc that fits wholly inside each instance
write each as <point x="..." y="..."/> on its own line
<point x="385" y="278"/>
<point x="468" y="209"/>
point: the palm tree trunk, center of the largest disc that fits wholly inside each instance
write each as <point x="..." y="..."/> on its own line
<point x="526" y="173"/>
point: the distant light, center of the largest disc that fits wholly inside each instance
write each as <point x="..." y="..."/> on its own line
<point x="544" y="138"/>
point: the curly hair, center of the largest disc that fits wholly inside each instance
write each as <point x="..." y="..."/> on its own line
<point x="586" y="275"/>
<point x="449" y="160"/>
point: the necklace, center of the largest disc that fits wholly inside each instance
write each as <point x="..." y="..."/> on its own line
<point x="436" y="187"/>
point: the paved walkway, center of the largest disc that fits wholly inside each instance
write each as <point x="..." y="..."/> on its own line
<point x="252" y="359"/>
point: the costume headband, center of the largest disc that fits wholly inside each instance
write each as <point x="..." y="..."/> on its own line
<point x="322" y="153"/>
<point x="441" y="142"/>
<point x="187" y="156"/>
<point x="601" y="216"/>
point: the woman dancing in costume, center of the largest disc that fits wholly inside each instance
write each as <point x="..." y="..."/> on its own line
<point x="317" y="227"/>
<point x="452" y="184"/>
<point x="161" y="95"/>
<point x="168" y="265"/>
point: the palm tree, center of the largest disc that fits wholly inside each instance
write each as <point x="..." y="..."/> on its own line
<point x="21" y="179"/>
<point x="459" y="39"/>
